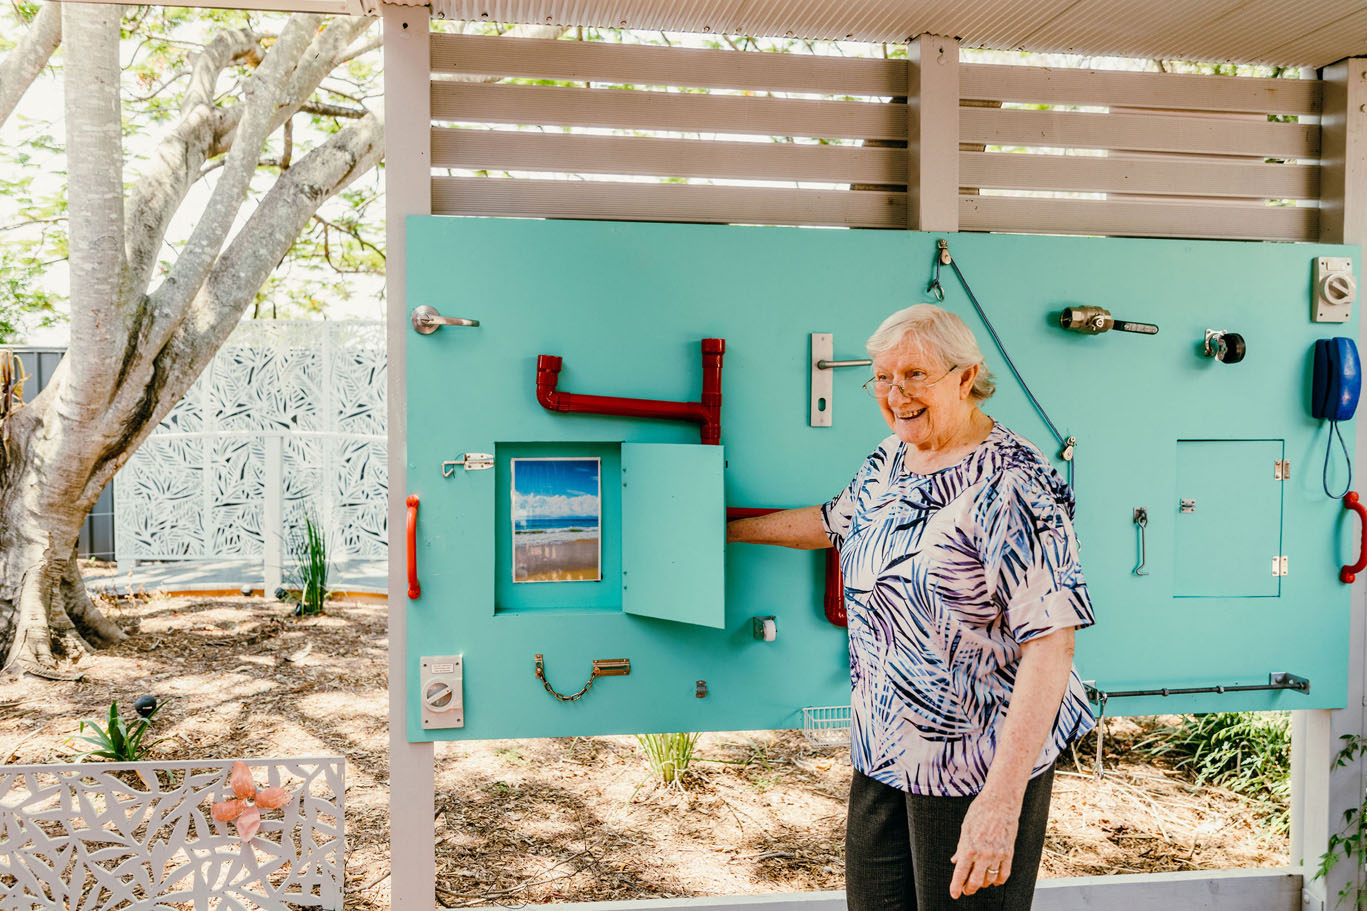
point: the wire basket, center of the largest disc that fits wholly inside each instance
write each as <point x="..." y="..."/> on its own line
<point x="826" y="725"/>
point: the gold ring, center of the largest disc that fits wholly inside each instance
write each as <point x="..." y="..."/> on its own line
<point x="994" y="870"/>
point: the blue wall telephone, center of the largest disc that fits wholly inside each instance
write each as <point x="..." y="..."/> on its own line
<point x="1338" y="379"/>
<point x="1334" y="393"/>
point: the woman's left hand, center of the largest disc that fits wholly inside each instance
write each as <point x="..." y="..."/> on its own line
<point x="986" y="844"/>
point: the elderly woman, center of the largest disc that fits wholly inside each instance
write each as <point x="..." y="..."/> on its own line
<point x="963" y="590"/>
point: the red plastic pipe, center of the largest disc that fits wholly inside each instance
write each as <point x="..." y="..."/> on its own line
<point x="706" y="412"/>
<point x="833" y="599"/>
<point x="1348" y="573"/>
<point x="414" y="589"/>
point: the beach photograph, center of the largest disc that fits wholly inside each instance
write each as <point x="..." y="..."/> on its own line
<point x="556" y="515"/>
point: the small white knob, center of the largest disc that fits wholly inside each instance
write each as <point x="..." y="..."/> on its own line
<point x="1338" y="288"/>
<point x="439" y="696"/>
<point x="770" y="630"/>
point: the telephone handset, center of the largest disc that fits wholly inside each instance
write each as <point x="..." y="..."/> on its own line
<point x="1337" y="380"/>
<point x="1334" y="393"/>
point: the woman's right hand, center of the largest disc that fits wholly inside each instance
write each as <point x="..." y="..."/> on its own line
<point x="801" y="528"/>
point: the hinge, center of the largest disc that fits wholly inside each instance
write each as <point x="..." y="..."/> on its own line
<point x="1279" y="566"/>
<point x="1281" y="470"/>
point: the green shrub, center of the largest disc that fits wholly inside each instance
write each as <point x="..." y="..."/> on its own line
<point x="669" y="755"/>
<point x="311" y="566"/>
<point x="1247" y="752"/>
<point x="117" y="740"/>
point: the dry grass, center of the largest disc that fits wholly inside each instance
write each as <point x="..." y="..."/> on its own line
<point x="574" y="819"/>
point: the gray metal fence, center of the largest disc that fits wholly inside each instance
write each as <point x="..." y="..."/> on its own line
<point x="97" y="534"/>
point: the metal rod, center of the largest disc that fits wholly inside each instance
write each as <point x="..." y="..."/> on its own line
<point x="827" y="365"/>
<point x="1278" y="681"/>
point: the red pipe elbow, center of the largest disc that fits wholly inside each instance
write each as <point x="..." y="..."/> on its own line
<point x="706" y="413"/>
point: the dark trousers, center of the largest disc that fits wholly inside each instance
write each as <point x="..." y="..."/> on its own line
<point x="898" y="846"/>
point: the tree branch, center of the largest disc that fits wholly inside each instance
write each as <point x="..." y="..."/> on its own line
<point x="289" y="146"/>
<point x="254" y="252"/>
<point x="165" y="84"/>
<point x="23" y="64"/>
<point x="320" y="60"/>
<point x="357" y="50"/>
<point x="356" y="235"/>
<point x="261" y="97"/>
<point x="177" y="160"/>
<point x="332" y="110"/>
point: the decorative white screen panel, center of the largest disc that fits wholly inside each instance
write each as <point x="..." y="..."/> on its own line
<point x="197" y="488"/>
<point x="140" y="835"/>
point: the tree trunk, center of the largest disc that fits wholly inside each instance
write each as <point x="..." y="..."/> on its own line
<point x="46" y="615"/>
<point x="135" y="350"/>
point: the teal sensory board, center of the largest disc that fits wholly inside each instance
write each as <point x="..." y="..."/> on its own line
<point x="626" y="305"/>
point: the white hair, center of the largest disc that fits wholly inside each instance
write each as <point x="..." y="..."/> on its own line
<point x="941" y="335"/>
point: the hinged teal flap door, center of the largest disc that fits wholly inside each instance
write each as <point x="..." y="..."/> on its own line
<point x="674" y="533"/>
<point x="1227" y="519"/>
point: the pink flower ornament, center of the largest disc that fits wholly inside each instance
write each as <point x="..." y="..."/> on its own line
<point x="245" y="809"/>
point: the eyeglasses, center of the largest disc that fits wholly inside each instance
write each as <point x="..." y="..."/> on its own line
<point x="878" y="387"/>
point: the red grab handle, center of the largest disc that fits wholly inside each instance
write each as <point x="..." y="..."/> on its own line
<point x="834" y="601"/>
<point x="1349" y="573"/>
<point x="414" y="589"/>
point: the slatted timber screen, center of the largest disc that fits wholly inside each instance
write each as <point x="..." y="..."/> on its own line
<point x="1172" y="155"/>
<point x="738" y="105"/>
<point x="1165" y="156"/>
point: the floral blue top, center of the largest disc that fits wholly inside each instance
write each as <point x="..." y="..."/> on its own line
<point x="946" y="574"/>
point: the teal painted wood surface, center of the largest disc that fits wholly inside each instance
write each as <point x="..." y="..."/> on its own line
<point x="625" y="305"/>
<point x="1225" y="544"/>
<point x="674" y="533"/>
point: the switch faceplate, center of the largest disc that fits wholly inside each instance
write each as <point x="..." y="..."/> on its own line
<point x="441" y="682"/>
<point x="1335" y="290"/>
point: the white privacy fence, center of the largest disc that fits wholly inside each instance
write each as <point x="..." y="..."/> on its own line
<point x="142" y="835"/>
<point x="289" y="418"/>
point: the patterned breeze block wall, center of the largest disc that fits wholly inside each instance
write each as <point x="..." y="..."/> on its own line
<point x="196" y="488"/>
<point x="140" y="835"/>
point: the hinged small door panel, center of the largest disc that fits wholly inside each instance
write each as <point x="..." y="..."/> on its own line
<point x="674" y="533"/>
<point x="1229" y="519"/>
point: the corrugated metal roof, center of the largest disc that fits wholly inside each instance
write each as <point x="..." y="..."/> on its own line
<point x="1279" y="32"/>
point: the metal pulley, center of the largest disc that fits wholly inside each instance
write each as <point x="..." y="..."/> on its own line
<point x="1095" y="320"/>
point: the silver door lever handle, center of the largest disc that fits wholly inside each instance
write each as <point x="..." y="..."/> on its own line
<point x="427" y="320"/>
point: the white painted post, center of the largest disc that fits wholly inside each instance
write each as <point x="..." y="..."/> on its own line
<point x="933" y="133"/>
<point x="272" y="516"/>
<point x="408" y="191"/>
<point x="1320" y="791"/>
<point x="1343" y="155"/>
<point x="1311" y="758"/>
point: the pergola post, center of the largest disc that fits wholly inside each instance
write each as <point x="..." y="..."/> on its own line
<point x="1320" y="791"/>
<point x="408" y="191"/>
<point x="933" y="133"/>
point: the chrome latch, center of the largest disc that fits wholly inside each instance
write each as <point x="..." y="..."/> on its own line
<point x="1188" y="505"/>
<point x="472" y="461"/>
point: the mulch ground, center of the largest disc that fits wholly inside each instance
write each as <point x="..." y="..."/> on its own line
<point x="568" y="819"/>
